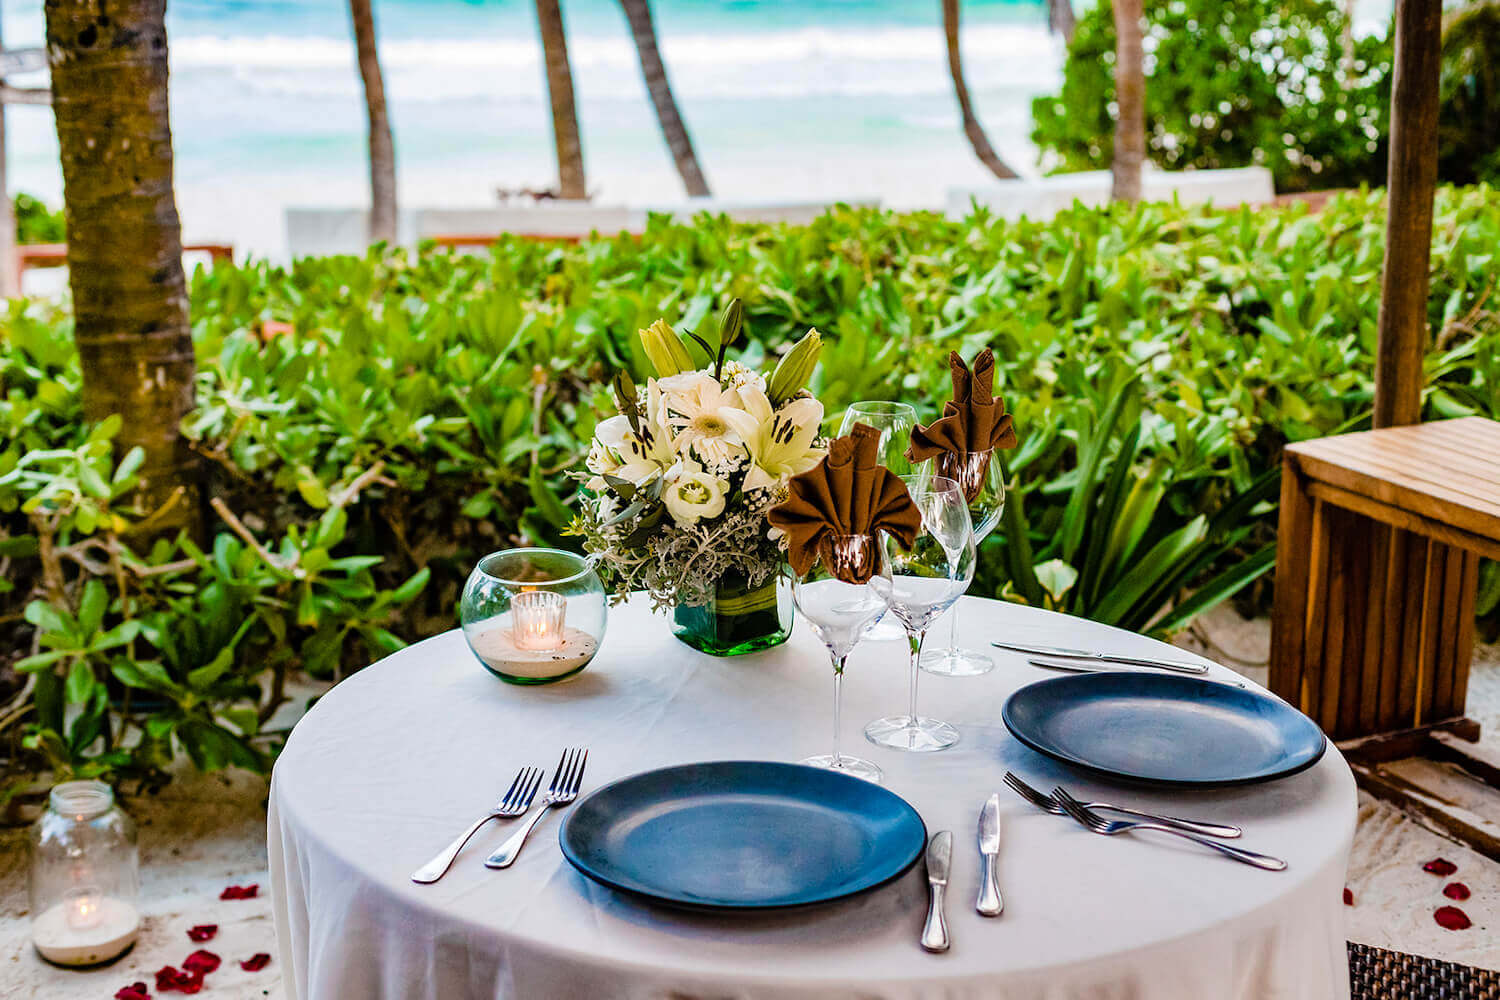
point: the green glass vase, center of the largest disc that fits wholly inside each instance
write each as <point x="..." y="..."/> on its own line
<point x="739" y="619"/>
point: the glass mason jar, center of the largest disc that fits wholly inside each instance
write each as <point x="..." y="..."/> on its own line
<point x="533" y="616"/>
<point x="739" y="619"/>
<point x="85" y="876"/>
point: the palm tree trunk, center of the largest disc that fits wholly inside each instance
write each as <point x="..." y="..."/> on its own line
<point x="109" y="99"/>
<point x="1061" y="20"/>
<point x="1130" y="97"/>
<point x="638" y="13"/>
<point x="382" y="147"/>
<point x="570" y="180"/>
<point x="972" y="128"/>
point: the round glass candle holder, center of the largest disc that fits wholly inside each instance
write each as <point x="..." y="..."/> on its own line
<point x="533" y="616"/>
<point x="85" y="876"/>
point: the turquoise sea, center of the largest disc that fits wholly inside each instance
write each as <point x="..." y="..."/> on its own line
<point x="786" y="99"/>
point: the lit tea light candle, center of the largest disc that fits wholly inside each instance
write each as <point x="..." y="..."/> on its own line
<point x="538" y="643"/>
<point x="85" y="928"/>
<point x="537" y="619"/>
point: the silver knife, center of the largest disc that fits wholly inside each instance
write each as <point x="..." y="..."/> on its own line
<point x="990" y="903"/>
<point x="939" y="856"/>
<point x="1085" y="668"/>
<point x="1181" y="666"/>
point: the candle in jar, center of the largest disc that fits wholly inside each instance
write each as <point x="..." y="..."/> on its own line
<point x="537" y="618"/>
<point x="85" y="928"/>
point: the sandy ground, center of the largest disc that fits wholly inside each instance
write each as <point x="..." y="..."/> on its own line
<point x="206" y="832"/>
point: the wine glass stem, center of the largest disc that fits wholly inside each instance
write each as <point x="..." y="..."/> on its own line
<point x="953" y="630"/>
<point x="915" y="638"/>
<point x="838" y="706"/>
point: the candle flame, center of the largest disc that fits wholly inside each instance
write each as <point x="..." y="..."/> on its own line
<point x="537" y="621"/>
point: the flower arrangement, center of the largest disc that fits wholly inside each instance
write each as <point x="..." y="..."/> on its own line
<point x="679" y="482"/>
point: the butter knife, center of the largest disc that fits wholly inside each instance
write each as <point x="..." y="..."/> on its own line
<point x="990" y="902"/>
<point x="1181" y="666"/>
<point x="1077" y="667"/>
<point x="939" y="856"/>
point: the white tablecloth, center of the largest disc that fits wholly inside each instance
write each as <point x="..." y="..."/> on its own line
<point x="392" y="763"/>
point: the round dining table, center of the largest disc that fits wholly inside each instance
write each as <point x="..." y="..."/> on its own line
<point x="396" y="760"/>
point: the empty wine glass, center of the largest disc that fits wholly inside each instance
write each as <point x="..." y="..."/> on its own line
<point x="919" y="583"/>
<point x="840" y="614"/>
<point x="894" y="421"/>
<point x="983" y="483"/>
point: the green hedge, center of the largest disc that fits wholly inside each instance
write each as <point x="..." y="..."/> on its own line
<point x="370" y="426"/>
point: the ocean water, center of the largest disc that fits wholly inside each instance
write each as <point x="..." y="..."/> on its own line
<point x="789" y="99"/>
<point x="785" y="99"/>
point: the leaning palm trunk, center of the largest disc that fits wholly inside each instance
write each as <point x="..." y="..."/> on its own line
<point x="972" y="128"/>
<point x="570" y="180"/>
<point x="1130" y="98"/>
<point x="109" y="99"/>
<point x="638" y="13"/>
<point x="382" y="147"/>
<point x="1061" y="19"/>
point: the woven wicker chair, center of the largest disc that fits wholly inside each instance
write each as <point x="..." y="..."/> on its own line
<point x="1378" y="974"/>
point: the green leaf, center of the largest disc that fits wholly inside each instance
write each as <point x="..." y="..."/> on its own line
<point x="118" y="636"/>
<point x="1057" y="578"/>
<point x="1217" y="590"/>
<point x="37" y="661"/>
<point x="49" y="619"/>
<point x="91" y="607"/>
<point x="412" y="587"/>
<point x="80" y="682"/>
<point x="546" y="499"/>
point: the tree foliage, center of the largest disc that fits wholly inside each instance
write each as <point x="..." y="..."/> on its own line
<point x="1229" y="85"/>
<point x="1469" y="117"/>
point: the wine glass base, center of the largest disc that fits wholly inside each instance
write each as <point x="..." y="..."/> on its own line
<point x="956" y="662"/>
<point x="845" y="764"/>
<point x="915" y="735"/>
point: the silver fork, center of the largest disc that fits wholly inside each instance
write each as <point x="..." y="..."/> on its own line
<point x="514" y="803"/>
<point x="562" y="790"/>
<point x="1098" y="824"/>
<point x="1044" y="801"/>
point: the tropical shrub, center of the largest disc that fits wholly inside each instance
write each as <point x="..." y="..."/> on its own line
<point x="1469" y="114"/>
<point x="1230" y="85"/>
<point x="370" y="426"/>
<point x="36" y="223"/>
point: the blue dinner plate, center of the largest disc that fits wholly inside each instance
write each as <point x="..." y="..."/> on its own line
<point x="1163" y="729"/>
<point x="742" y="835"/>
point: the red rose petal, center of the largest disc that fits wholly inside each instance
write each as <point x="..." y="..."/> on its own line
<point x="202" y="932"/>
<point x="240" y="892"/>
<point x="1456" y="890"/>
<point x="1440" y="866"/>
<point x="202" y="962"/>
<point x="135" y="991"/>
<point x="1451" y="918"/>
<point x="170" y="979"/>
<point x="1348" y="896"/>
<point x="256" y="962"/>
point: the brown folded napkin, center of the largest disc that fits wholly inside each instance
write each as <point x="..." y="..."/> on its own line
<point x="973" y="421"/>
<point x="847" y="493"/>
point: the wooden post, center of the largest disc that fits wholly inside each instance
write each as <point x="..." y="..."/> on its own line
<point x="1411" y="180"/>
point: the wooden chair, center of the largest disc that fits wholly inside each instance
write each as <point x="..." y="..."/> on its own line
<point x="1380" y="538"/>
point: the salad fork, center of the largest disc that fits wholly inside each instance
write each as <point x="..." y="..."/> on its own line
<point x="1046" y="802"/>
<point x="1098" y="824"/>
<point x="562" y="791"/>
<point x="514" y="803"/>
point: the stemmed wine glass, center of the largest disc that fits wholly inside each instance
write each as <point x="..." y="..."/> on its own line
<point x="982" y="480"/>
<point x="841" y="613"/>
<point x="920" y="583"/>
<point x="894" y="421"/>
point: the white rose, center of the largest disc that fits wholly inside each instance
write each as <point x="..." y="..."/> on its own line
<point x="692" y="494"/>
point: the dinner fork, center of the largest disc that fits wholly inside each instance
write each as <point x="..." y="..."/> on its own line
<point x="514" y="803"/>
<point x="562" y="791"/>
<point x="1098" y="824"/>
<point x="1044" y="801"/>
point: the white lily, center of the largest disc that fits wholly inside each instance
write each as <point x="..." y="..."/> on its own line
<point x="780" y="442"/>
<point x="618" y="451"/>
<point x="692" y="409"/>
